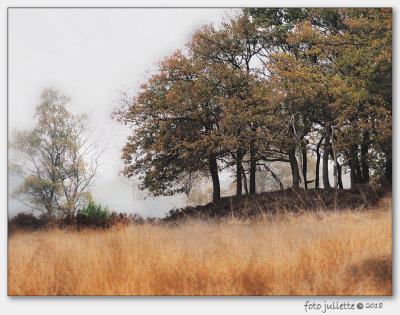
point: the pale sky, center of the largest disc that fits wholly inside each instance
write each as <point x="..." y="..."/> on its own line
<point x="91" y="55"/>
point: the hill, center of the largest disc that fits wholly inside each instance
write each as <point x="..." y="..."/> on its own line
<point x="292" y="199"/>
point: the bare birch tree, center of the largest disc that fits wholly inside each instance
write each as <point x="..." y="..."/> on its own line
<point x="56" y="159"/>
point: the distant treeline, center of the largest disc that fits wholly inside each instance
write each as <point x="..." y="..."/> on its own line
<point x="267" y="85"/>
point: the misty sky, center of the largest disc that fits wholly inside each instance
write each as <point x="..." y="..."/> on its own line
<point x="92" y="55"/>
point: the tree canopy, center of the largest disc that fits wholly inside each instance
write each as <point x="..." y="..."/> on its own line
<point x="57" y="162"/>
<point x="265" y="86"/>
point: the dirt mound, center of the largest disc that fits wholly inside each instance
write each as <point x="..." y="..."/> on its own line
<point x="291" y="199"/>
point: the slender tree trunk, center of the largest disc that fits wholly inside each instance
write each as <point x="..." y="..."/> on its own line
<point x="335" y="163"/>
<point x="49" y="209"/>
<point x="300" y="166"/>
<point x="364" y="157"/>
<point x="238" y="180"/>
<point x="213" y="166"/>
<point x="246" y="190"/>
<point x="318" y="162"/>
<point x="335" y="172"/>
<point x="358" y="172"/>
<point x="325" y="159"/>
<point x="252" y="171"/>
<point x="298" y="153"/>
<point x="294" y="166"/>
<point x="339" y="171"/>
<point x="275" y="177"/>
<point x="353" y="177"/>
<point x="50" y="205"/>
<point x="325" y="170"/>
<point x="388" y="167"/>
<point x="358" y="168"/>
<point x="355" y="170"/>
<point x="239" y="167"/>
<point x="304" y="153"/>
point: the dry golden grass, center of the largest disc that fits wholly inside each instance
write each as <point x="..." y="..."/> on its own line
<point x="345" y="253"/>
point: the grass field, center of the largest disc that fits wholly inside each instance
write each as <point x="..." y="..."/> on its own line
<point x="342" y="253"/>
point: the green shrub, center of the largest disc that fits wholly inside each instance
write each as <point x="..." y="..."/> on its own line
<point x="95" y="211"/>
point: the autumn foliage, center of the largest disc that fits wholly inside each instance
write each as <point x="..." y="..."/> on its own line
<point x="267" y="85"/>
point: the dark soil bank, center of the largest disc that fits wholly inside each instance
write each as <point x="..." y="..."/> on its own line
<point x="291" y="199"/>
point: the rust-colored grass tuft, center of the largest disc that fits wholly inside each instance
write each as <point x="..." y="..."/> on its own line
<point x="325" y="253"/>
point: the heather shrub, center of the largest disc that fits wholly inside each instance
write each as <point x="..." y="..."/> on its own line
<point x="25" y="221"/>
<point x="28" y="221"/>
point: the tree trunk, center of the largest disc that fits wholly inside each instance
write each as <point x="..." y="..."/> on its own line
<point x="239" y="167"/>
<point x="358" y="171"/>
<point x="353" y="177"/>
<point x="213" y="166"/>
<point x="318" y="162"/>
<point x="304" y="153"/>
<point x="246" y="190"/>
<point x="355" y="170"/>
<point x="298" y="152"/>
<point x="325" y="172"/>
<point x="388" y="167"/>
<point x="49" y="209"/>
<point x="339" y="171"/>
<point x="364" y="158"/>
<point x="49" y="205"/>
<point x="325" y="159"/>
<point x="238" y="179"/>
<point x="252" y="171"/>
<point x="335" y="163"/>
<point x="294" y="166"/>
<point x="275" y="177"/>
